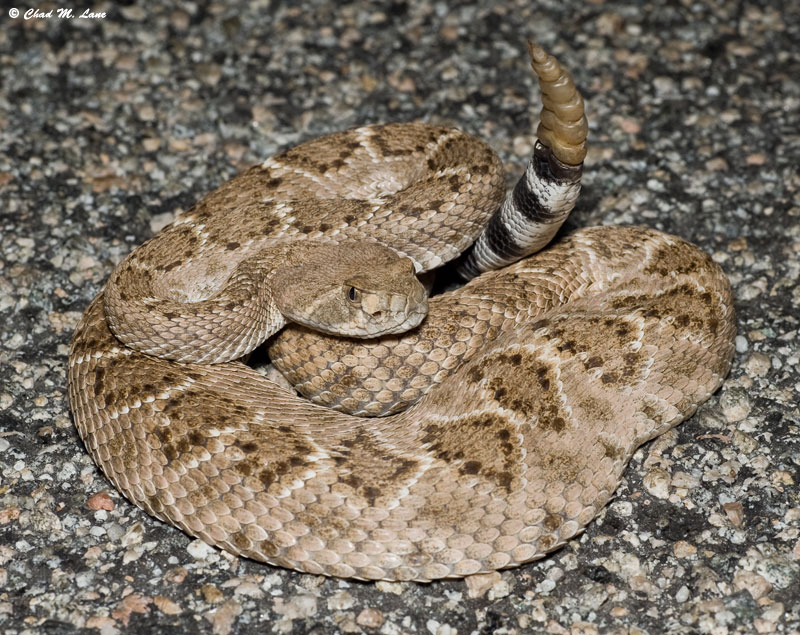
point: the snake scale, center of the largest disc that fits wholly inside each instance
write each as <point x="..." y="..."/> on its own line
<point x="511" y="404"/>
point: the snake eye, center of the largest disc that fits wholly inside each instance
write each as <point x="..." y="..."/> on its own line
<point x="353" y="294"/>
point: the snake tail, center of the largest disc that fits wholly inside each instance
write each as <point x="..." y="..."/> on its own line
<point x="545" y="194"/>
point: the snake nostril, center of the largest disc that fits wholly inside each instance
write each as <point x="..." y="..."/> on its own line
<point x="378" y="315"/>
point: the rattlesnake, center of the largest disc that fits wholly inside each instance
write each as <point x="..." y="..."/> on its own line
<point x="537" y="381"/>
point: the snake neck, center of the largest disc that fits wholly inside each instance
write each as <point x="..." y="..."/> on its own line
<point x="148" y="315"/>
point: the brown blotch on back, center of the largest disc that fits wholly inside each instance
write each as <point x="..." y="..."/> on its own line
<point x="269" y="226"/>
<point x="170" y="451"/>
<point x="484" y="445"/>
<point x="372" y="468"/>
<point x="283" y="457"/>
<point x="172" y="265"/>
<point x="653" y="413"/>
<point x="691" y="310"/>
<point x="241" y="541"/>
<point x="551" y="522"/>
<point x="268" y="548"/>
<point x="679" y="258"/>
<point x="471" y="467"/>
<point x="608" y="349"/>
<point x="533" y="398"/>
<point x="556" y="465"/>
<point x="610" y="450"/>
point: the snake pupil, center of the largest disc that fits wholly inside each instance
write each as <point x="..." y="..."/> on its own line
<point x="352" y="293"/>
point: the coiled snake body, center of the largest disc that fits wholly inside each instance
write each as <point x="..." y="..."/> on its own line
<point x="533" y="385"/>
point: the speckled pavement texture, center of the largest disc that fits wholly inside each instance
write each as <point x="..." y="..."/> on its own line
<point x="108" y="126"/>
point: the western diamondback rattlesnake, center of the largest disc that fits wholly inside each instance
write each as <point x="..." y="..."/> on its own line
<point x="542" y="378"/>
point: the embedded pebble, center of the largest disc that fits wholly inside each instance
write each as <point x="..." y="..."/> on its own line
<point x="370" y="618"/>
<point x="656" y="482"/>
<point x="200" y="550"/>
<point x="758" y="365"/>
<point x="735" y="405"/>
<point x="753" y="583"/>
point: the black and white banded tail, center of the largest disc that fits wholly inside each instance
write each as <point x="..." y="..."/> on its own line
<point x="530" y="216"/>
<point x="544" y="196"/>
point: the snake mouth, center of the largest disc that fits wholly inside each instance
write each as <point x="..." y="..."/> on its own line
<point x="379" y="314"/>
<point x="383" y="323"/>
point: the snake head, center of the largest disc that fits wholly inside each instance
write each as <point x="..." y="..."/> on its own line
<point x="353" y="289"/>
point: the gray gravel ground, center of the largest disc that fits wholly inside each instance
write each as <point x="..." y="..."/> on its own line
<point x="109" y="126"/>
